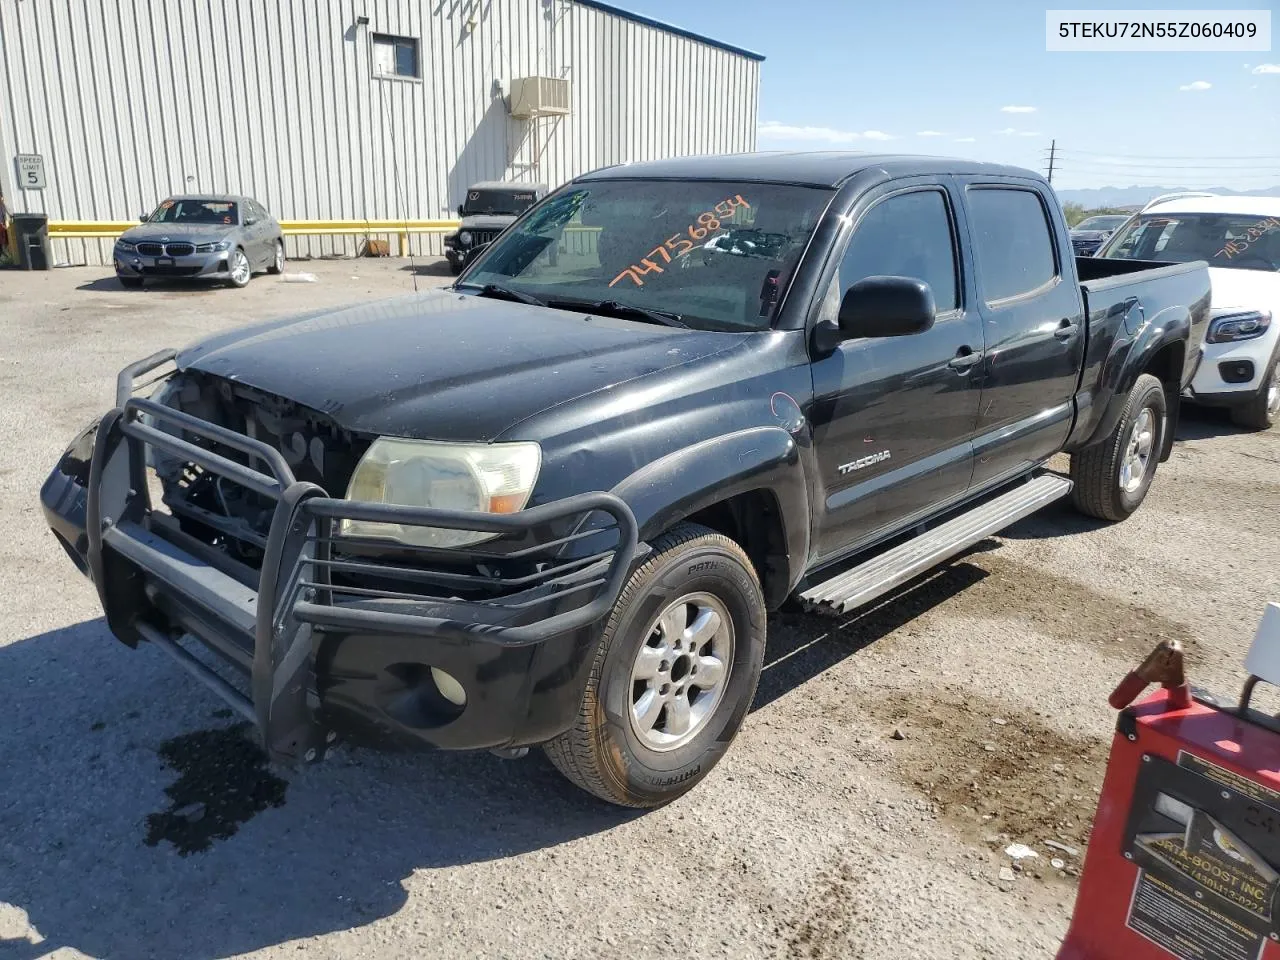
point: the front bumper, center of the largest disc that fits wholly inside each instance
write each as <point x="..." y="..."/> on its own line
<point x="331" y="642"/>
<point x="197" y="265"/>
<point x="1217" y="381"/>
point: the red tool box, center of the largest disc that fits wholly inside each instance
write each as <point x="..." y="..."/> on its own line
<point x="1184" y="858"/>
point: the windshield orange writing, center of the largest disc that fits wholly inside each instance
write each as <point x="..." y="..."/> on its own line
<point x="1237" y="246"/>
<point x="678" y="244"/>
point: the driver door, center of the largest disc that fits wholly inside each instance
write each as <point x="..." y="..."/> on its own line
<point x="894" y="418"/>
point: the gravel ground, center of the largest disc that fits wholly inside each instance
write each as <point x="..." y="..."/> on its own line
<point x="135" y="823"/>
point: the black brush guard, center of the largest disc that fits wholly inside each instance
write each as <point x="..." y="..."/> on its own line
<point x="141" y="564"/>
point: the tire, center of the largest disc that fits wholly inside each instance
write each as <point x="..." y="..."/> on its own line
<point x="610" y="750"/>
<point x="455" y="268"/>
<point x="237" y="276"/>
<point x="1101" y="488"/>
<point x="130" y="283"/>
<point x="1263" y="409"/>
<point x="277" y="261"/>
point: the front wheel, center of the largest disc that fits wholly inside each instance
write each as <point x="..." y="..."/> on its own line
<point x="129" y="283"/>
<point x="238" y="269"/>
<point x="674" y="673"/>
<point x="1111" y="477"/>
<point x="1264" y="408"/>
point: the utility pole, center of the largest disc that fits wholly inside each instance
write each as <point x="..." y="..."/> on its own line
<point x="1053" y="148"/>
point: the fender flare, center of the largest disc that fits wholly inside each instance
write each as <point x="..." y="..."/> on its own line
<point x="1172" y="327"/>
<point x="680" y="484"/>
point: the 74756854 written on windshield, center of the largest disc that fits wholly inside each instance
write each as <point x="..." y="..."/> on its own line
<point x="716" y="253"/>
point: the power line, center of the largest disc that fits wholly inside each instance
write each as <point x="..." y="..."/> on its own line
<point x="1095" y="164"/>
<point x="1137" y="156"/>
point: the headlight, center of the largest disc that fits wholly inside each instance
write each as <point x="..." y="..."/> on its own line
<point x="124" y="245"/>
<point x="476" y="477"/>
<point x="1238" y="326"/>
<point x="213" y="247"/>
<point x="464" y="238"/>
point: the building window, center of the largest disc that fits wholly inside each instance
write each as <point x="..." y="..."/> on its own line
<point x="395" y="56"/>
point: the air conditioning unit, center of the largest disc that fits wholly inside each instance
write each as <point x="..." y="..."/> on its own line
<point x="539" y="97"/>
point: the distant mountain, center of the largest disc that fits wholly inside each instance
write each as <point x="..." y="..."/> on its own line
<point x="1094" y="198"/>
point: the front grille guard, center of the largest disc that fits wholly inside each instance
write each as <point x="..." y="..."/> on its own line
<point x="309" y="579"/>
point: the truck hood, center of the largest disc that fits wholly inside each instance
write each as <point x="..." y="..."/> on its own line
<point x="1247" y="289"/>
<point x="444" y="365"/>
<point x="487" y="221"/>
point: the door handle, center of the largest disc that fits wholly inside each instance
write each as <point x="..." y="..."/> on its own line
<point x="1066" y="330"/>
<point x="964" y="359"/>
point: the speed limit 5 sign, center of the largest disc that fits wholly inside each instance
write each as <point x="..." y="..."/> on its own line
<point x="30" y="171"/>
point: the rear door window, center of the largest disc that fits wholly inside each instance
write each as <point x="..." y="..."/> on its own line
<point x="1013" y="241"/>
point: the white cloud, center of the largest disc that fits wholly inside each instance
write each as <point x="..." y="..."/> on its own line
<point x="1267" y="68"/>
<point x="930" y="133"/>
<point x="1028" y="133"/>
<point x="1196" y="85"/>
<point x="1007" y="132"/>
<point x="1017" y="109"/>
<point x="773" y="130"/>
<point x="966" y="140"/>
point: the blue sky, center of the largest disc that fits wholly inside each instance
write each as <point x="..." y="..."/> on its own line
<point x="846" y="75"/>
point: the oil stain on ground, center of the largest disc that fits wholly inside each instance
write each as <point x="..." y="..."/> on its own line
<point x="826" y="928"/>
<point x="1063" y="609"/>
<point x="996" y="773"/>
<point x="223" y="781"/>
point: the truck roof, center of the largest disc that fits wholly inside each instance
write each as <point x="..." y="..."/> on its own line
<point x="812" y="168"/>
<point x="1259" y="206"/>
<point x="508" y="185"/>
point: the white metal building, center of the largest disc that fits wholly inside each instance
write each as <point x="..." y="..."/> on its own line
<point x="343" y="110"/>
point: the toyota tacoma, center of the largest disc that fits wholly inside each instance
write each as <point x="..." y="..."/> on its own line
<point x="553" y="504"/>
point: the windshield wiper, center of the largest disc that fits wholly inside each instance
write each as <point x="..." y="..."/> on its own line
<point x="499" y="292"/>
<point x="626" y="311"/>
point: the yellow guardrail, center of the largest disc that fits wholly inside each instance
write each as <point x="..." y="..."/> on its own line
<point x="109" y="229"/>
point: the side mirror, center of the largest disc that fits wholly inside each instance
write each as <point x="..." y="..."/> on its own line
<point x="462" y="210"/>
<point x="142" y="217"/>
<point x="886" y="307"/>
<point x="250" y="221"/>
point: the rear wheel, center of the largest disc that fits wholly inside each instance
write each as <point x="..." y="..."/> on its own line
<point x="1264" y="409"/>
<point x="238" y="269"/>
<point x="674" y="673"/>
<point x="277" y="260"/>
<point x="1111" y="478"/>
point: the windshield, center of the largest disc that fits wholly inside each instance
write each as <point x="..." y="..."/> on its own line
<point x="191" y="210"/>
<point x="1232" y="240"/>
<point x="716" y="254"/>
<point x="512" y="202"/>
<point x="1101" y="223"/>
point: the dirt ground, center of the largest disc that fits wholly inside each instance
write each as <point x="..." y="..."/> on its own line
<point x="862" y="813"/>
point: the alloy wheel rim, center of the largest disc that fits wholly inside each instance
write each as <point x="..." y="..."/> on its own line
<point x="1138" y="449"/>
<point x="240" y="267"/>
<point x="1273" y="391"/>
<point x="279" y="257"/>
<point x="681" y="671"/>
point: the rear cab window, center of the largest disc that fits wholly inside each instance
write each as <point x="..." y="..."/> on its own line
<point x="1012" y="240"/>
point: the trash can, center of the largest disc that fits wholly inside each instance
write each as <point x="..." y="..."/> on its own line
<point x="32" y="231"/>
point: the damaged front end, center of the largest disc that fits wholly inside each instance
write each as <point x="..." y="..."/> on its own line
<point x="204" y="517"/>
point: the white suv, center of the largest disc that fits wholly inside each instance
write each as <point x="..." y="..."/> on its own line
<point x="1239" y="237"/>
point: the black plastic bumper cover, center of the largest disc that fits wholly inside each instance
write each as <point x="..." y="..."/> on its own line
<point x="323" y="648"/>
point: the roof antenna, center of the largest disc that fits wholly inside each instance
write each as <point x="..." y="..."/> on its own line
<point x="404" y="207"/>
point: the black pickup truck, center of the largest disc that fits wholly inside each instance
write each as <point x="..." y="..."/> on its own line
<point x="552" y="504"/>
